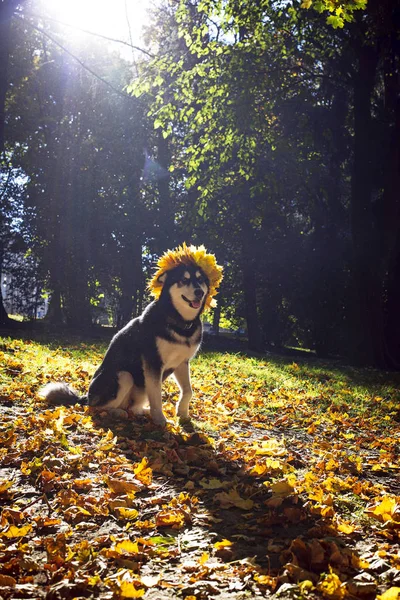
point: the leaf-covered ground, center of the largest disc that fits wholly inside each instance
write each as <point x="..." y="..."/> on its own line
<point x="286" y="483"/>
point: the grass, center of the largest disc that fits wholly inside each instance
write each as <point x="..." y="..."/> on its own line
<point x="291" y="466"/>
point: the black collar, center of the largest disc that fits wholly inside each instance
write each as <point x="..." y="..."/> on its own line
<point x="181" y="323"/>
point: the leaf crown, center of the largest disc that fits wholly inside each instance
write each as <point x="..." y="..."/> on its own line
<point x="188" y="255"/>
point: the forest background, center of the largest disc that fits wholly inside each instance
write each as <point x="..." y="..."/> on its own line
<point x="268" y="131"/>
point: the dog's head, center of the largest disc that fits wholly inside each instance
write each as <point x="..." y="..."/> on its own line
<point x="190" y="277"/>
<point x="187" y="287"/>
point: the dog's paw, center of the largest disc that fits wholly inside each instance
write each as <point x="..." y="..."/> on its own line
<point x="159" y="420"/>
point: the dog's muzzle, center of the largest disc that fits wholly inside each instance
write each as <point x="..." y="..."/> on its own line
<point x="196" y="303"/>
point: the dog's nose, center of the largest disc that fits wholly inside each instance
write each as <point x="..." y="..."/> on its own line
<point x="198" y="293"/>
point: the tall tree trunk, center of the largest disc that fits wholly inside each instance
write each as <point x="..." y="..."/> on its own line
<point x="217" y="315"/>
<point x="166" y="233"/>
<point x="6" y="11"/>
<point x="391" y="197"/>
<point x="54" y="311"/>
<point x="56" y="257"/>
<point x="7" y="8"/>
<point x="254" y="332"/>
<point x="251" y="312"/>
<point x="4" y="319"/>
<point x="369" y="347"/>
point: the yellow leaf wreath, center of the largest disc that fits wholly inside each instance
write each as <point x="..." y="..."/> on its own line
<point x="188" y="255"/>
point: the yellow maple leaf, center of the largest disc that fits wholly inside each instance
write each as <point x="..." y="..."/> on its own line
<point x="384" y="510"/>
<point x="284" y="487"/>
<point x="222" y="544"/>
<point x="128" y="589"/>
<point x="331" y="465"/>
<point x="16" y="532"/>
<point x="212" y="484"/>
<point x="331" y="586"/>
<point x="171" y="518"/>
<point x="359" y="563"/>
<point x="233" y="499"/>
<point x="5" y="485"/>
<point x="345" y="527"/>
<point x="392" y="593"/>
<point x="143" y="472"/>
<point x="204" y="558"/>
<point x="271" y="447"/>
<point x="126" y="547"/>
<point x="306" y="586"/>
<point x="127" y="513"/>
<point x="306" y="4"/>
<point x="59" y="422"/>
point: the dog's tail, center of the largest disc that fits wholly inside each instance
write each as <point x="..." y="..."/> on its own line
<point x="60" y="394"/>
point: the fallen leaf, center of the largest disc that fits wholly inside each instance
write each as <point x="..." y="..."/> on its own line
<point x="233" y="499"/>
<point x="392" y="593"/>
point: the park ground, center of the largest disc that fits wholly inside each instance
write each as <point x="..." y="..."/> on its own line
<point x="284" y="484"/>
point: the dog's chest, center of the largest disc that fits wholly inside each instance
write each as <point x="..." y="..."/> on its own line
<point x="173" y="354"/>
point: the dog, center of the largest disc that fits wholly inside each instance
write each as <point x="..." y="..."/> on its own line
<point x="158" y="343"/>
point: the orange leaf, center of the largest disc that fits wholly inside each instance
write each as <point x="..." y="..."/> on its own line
<point x="174" y="518"/>
<point x="7" y="581"/>
<point x="5" y="485"/>
<point x="119" y="486"/>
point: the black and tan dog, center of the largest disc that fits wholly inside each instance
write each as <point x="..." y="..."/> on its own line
<point x="153" y="346"/>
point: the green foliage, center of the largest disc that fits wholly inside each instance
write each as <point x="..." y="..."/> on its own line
<point x="340" y="12"/>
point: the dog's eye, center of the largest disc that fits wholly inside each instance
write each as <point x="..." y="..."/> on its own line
<point x="185" y="281"/>
<point x="200" y="280"/>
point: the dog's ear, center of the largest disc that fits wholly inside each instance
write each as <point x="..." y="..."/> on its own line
<point x="163" y="278"/>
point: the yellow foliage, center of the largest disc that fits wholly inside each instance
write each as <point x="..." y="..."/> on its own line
<point x="188" y="255"/>
<point x="392" y="593"/>
<point x="222" y="544"/>
<point x="331" y="586"/>
<point x="384" y="510"/>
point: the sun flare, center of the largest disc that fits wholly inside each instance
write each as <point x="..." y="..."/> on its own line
<point x="120" y="19"/>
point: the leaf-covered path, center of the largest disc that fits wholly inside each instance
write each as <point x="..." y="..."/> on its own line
<point x="285" y="483"/>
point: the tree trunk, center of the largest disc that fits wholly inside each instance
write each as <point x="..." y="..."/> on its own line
<point x="166" y="234"/>
<point x="250" y="299"/>
<point x="217" y="315"/>
<point x="54" y="312"/>
<point x="4" y="319"/>
<point x="255" y="341"/>
<point x="391" y="198"/>
<point x="6" y="10"/>
<point x="369" y="347"/>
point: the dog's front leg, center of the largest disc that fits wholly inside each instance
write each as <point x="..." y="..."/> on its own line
<point x="182" y="376"/>
<point x="153" y="391"/>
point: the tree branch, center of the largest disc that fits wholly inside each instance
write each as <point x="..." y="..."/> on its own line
<point x="78" y="60"/>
